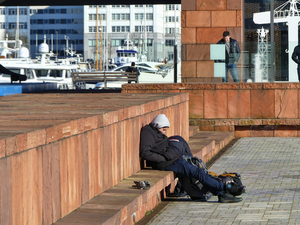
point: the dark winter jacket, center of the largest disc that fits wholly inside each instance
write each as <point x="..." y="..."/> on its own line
<point x="234" y="52"/>
<point x="155" y="148"/>
<point x="132" y="69"/>
<point x="296" y="54"/>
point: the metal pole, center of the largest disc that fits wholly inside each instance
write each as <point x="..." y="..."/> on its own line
<point x="100" y="29"/>
<point x="97" y="68"/>
<point x="272" y="71"/>
<point x="175" y="63"/>
<point x="56" y="45"/>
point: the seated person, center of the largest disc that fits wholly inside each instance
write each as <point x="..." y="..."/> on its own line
<point x="160" y="155"/>
<point x="132" y="69"/>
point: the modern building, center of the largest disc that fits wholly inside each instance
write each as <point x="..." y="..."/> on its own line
<point x="15" y="22"/>
<point x="60" y="25"/>
<point x="152" y="29"/>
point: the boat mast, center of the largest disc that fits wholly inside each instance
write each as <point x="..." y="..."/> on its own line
<point x="100" y="43"/>
<point x="145" y="32"/>
<point x="17" y="30"/>
<point x="97" y="68"/>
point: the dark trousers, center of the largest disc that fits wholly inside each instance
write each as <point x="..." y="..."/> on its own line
<point x="184" y="169"/>
<point x="298" y="70"/>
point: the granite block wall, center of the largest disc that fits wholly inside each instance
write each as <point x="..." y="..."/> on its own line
<point x="248" y="109"/>
<point x="203" y="23"/>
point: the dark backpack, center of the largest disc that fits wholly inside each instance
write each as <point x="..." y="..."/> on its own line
<point x="225" y="178"/>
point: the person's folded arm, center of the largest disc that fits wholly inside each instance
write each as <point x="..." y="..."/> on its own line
<point x="146" y="145"/>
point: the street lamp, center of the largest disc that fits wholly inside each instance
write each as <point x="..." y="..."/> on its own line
<point x="56" y="45"/>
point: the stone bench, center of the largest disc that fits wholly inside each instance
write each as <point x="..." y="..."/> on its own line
<point x="123" y="204"/>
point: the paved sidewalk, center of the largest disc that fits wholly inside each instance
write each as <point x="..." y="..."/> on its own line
<point x="270" y="168"/>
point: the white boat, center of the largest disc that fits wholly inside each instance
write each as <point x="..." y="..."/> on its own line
<point x="43" y="68"/>
<point x="126" y="54"/>
<point x="150" y="72"/>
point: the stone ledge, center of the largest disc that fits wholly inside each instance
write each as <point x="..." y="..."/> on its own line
<point x="43" y="119"/>
<point x="200" y="83"/>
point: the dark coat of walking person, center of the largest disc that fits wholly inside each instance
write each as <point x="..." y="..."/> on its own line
<point x="296" y="59"/>
<point x="232" y="55"/>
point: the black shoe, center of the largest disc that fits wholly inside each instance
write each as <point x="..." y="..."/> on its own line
<point x="226" y="197"/>
<point x="234" y="189"/>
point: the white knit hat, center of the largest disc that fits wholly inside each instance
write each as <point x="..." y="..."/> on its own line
<point x="160" y="121"/>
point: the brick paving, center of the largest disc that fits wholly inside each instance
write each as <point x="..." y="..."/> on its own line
<point x="269" y="168"/>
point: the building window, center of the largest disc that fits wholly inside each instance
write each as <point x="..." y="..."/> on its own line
<point x="117" y="42"/>
<point x="92" y="29"/>
<point x="2" y="25"/>
<point x="170" y="30"/>
<point x="172" y="7"/>
<point x="51" y="21"/>
<point x="63" y="11"/>
<point x="120" y="29"/>
<point x="40" y="21"/>
<point x="11" y="25"/>
<point x="170" y="42"/>
<point x="94" y="6"/>
<point x="122" y="16"/>
<point x="12" y="11"/>
<point x="51" y="11"/>
<point x="149" y="42"/>
<point x="32" y="11"/>
<point x="46" y="21"/>
<point x="150" y="28"/>
<point x="139" y="16"/>
<point x="141" y="28"/>
<point x="140" y="6"/>
<point x="92" y="42"/>
<point x="40" y="31"/>
<point x="63" y="21"/>
<point x="2" y="11"/>
<point x="149" y="16"/>
<point x="23" y="26"/>
<point x="171" y="19"/>
<point x="93" y="16"/>
<point x="23" y="11"/>
<point x="77" y="21"/>
<point x="40" y="11"/>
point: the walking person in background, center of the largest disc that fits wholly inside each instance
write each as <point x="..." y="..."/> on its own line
<point x="232" y="55"/>
<point x="296" y="59"/>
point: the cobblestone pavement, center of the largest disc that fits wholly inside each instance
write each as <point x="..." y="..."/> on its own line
<point x="270" y="169"/>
